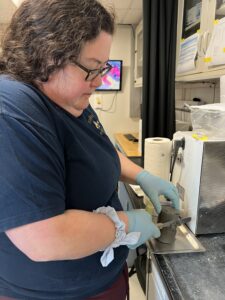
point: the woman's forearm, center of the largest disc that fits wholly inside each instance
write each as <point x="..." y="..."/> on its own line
<point x="72" y="235"/>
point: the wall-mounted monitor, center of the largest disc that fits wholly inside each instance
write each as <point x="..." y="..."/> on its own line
<point x="112" y="81"/>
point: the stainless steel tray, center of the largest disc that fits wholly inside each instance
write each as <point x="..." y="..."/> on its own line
<point x="185" y="241"/>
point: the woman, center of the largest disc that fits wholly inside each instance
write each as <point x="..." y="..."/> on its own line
<point x="63" y="234"/>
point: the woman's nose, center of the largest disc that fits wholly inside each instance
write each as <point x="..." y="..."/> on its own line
<point x="97" y="81"/>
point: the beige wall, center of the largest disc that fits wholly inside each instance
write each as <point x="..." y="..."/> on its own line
<point x="118" y="120"/>
<point x="2" y="29"/>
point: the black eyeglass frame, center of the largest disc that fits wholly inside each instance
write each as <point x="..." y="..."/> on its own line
<point x="101" y="71"/>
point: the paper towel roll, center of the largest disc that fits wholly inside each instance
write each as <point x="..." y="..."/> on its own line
<point x="157" y="156"/>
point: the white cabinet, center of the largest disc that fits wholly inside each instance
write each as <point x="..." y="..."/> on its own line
<point x="138" y="64"/>
<point x="198" y="18"/>
<point x="155" y="286"/>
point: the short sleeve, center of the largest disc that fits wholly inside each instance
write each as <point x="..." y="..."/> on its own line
<point x="32" y="183"/>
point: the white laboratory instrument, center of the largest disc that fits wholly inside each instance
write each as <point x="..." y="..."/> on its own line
<point x="199" y="174"/>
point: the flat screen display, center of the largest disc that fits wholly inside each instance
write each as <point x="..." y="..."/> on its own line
<point x="112" y="81"/>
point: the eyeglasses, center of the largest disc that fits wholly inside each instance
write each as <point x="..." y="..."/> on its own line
<point x="92" y="74"/>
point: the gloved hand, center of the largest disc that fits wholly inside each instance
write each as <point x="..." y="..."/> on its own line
<point x="141" y="221"/>
<point x="154" y="186"/>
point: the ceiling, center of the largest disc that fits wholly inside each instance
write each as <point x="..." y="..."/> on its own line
<point x="127" y="11"/>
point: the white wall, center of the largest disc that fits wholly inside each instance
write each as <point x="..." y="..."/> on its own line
<point x="118" y="120"/>
<point x="207" y="91"/>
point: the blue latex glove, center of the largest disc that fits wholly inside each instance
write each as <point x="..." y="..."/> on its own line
<point x="141" y="221"/>
<point x="154" y="186"/>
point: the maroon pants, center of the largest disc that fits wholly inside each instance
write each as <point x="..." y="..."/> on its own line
<point x="118" y="291"/>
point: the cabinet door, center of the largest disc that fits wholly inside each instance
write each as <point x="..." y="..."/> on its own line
<point x="192" y="24"/>
<point x="155" y="286"/>
<point x="138" y="67"/>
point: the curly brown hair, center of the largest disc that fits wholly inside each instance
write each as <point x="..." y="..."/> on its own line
<point x="44" y="35"/>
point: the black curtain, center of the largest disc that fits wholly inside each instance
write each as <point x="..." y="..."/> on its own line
<point x="159" y="58"/>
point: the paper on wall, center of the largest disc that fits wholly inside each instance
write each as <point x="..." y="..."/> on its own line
<point x="188" y="53"/>
<point x="215" y="54"/>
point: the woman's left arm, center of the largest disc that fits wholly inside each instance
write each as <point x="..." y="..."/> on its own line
<point x="129" y="170"/>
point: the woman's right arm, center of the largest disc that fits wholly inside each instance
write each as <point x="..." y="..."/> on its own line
<point x="71" y="235"/>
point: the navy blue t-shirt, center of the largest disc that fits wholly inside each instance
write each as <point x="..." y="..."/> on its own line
<point x="51" y="161"/>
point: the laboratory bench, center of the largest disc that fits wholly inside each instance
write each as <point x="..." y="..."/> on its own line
<point x="195" y="276"/>
<point x="188" y="276"/>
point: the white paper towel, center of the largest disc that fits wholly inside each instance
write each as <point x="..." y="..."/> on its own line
<point x="157" y="156"/>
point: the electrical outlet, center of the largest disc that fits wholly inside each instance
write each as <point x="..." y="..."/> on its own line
<point x="97" y="101"/>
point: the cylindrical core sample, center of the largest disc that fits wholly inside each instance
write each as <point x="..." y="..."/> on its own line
<point x="168" y="234"/>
